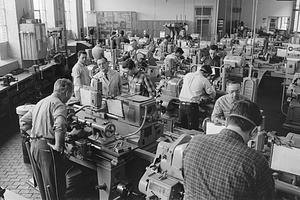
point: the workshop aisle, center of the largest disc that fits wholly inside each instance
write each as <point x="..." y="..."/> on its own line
<point x="269" y="99"/>
<point x="13" y="171"/>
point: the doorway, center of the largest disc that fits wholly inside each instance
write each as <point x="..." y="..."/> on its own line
<point x="203" y="22"/>
<point x="203" y="28"/>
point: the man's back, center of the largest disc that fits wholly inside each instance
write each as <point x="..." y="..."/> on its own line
<point x="222" y="167"/>
<point x="194" y="86"/>
<point x="44" y="115"/>
<point x="97" y="52"/>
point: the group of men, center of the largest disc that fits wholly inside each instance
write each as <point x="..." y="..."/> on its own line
<point x="214" y="166"/>
<point x="138" y="81"/>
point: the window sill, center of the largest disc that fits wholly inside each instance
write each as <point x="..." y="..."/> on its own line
<point x="8" y="65"/>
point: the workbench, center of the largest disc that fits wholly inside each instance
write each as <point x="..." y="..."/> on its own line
<point x="113" y="169"/>
<point x="26" y="88"/>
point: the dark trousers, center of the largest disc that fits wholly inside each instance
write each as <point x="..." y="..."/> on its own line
<point x="50" y="171"/>
<point x="189" y="115"/>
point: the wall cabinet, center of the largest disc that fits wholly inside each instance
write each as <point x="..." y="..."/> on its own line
<point x="33" y="41"/>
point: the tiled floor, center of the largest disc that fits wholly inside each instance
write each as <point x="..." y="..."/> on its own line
<point x="13" y="172"/>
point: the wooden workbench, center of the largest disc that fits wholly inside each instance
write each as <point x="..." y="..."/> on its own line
<point x="26" y="89"/>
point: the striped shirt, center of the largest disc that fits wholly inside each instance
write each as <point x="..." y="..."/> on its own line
<point x="223" y="167"/>
<point x="140" y="84"/>
<point x="223" y="106"/>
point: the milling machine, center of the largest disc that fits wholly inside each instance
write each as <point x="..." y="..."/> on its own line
<point x="106" y="137"/>
<point x="169" y="90"/>
<point x="292" y="122"/>
<point x="234" y="65"/>
<point x="163" y="179"/>
<point x="292" y="74"/>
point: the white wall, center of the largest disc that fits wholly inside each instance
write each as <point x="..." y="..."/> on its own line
<point x="265" y="9"/>
<point x="154" y="9"/>
<point x="158" y="9"/>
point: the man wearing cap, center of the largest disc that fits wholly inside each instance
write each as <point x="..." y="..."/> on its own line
<point x="196" y="88"/>
<point x="224" y="104"/>
<point x="172" y="62"/>
<point x="222" y="166"/>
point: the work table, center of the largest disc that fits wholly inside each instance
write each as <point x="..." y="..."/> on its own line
<point x="29" y="87"/>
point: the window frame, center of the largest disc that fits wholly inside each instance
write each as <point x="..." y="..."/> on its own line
<point x="4" y="32"/>
<point x="42" y="11"/>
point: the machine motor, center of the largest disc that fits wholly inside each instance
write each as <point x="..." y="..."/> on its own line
<point x="134" y="110"/>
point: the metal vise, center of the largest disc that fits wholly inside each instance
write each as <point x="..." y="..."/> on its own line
<point x="7" y="79"/>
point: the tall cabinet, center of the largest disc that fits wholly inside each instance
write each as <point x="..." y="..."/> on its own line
<point x="33" y="41"/>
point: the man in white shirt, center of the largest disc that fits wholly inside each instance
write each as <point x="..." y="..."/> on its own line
<point x="196" y="88"/>
<point x="80" y="74"/>
<point x="110" y="79"/>
<point x="98" y="51"/>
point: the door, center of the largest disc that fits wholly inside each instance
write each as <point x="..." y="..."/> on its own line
<point x="203" y="22"/>
<point x="203" y="28"/>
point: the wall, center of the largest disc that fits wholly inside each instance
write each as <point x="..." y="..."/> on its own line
<point x="265" y="9"/>
<point x="157" y="9"/>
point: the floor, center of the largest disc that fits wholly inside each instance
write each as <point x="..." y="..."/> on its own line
<point x="14" y="173"/>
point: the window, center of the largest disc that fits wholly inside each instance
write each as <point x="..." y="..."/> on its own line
<point x="86" y="7"/>
<point x="3" y="27"/>
<point x="68" y="14"/>
<point x="282" y="23"/>
<point x="296" y="20"/>
<point x="39" y="7"/>
<point x="206" y="11"/>
<point x="273" y="23"/>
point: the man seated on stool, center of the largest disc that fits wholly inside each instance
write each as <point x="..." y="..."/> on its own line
<point x="222" y="166"/>
<point x="110" y="79"/>
<point x="196" y="88"/>
<point x="224" y="104"/>
<point x="139" y="82"/>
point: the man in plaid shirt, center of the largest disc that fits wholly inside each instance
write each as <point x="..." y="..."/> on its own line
<point x="222" y="166"/>
<point x="139" y="82"/>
